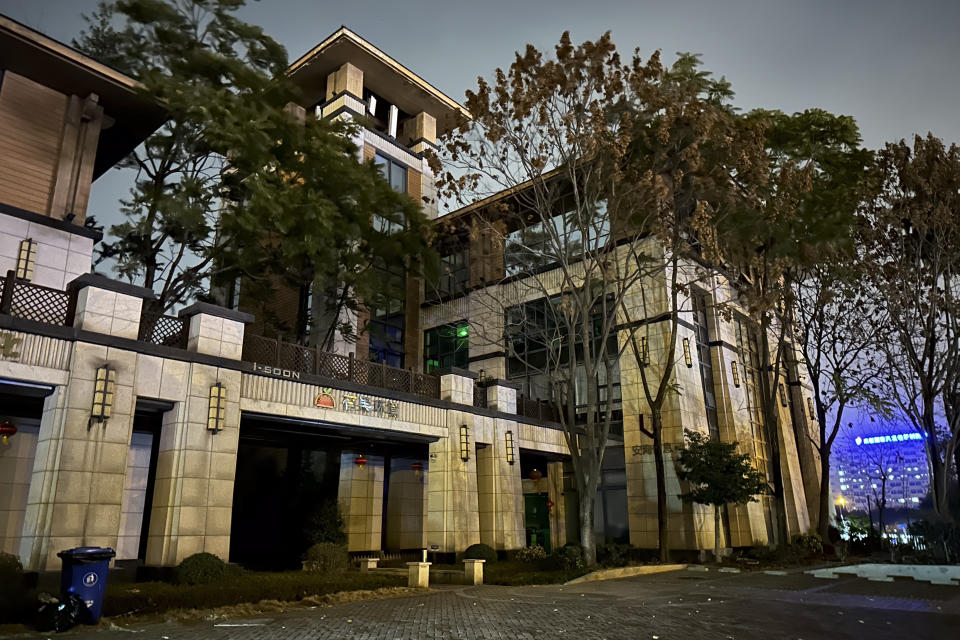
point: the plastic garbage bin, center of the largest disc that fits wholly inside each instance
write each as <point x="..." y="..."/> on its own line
<point x="84" y="573"/>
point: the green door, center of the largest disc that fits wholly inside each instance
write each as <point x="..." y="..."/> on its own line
<point x="537" y="520"/>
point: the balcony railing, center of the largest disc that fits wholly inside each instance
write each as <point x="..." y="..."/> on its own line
<point x="22" y="299"/>
<point x="168" y="331"/>
<point x="539" y="409"/>
<point x="296" y="357"/>
<point x="480" y="396"/>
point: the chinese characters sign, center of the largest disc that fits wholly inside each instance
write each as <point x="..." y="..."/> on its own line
<point x="356" y="403"/>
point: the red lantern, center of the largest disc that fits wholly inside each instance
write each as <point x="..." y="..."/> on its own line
<point x="535" y="474"/>
<point x="6" y="430"/>
<point x="360" y="461"/>
<point x="549" y="505"/>
<point x="417" y="468"/>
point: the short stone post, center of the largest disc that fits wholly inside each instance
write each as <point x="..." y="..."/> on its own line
<point x="215" y="331"/>
<point x="473" y="571"/>
<point x="368" y="564"/>
<point x="418" y="574"/>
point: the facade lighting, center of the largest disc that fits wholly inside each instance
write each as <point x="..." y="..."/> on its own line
<point x="104" y="386"/>
<point x="508" y="437"/>
<point x="644" y="351"/>
<point x="26" y="259"/>
<point x="217" y="410"/>
<point x="736" y="374"/>
<point x="464" y="442"/>
<point x="686" y="352"/>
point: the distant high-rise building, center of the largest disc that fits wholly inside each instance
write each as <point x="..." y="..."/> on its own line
<point x="864" y="456"/>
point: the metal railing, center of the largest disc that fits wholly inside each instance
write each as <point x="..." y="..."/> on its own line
<point x="480" y="396"/>
<point x="168" y="331"/>
<point x="539" y="409"/>
<point x="296" y="357"/>
<point x="22" y="299"/>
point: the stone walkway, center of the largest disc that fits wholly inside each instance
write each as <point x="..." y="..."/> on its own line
<point x="682" y="605"/>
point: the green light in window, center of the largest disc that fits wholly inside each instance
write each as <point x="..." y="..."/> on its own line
<point x="463" y="332"/>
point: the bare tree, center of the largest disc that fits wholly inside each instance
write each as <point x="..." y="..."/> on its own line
<point x="914" y="250"/>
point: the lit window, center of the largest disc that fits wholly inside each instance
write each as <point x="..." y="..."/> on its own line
<point x="26" y="259"/>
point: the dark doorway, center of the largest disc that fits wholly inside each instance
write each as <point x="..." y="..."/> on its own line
<point x="536" y="516"/>
<point x="140" y="479"/>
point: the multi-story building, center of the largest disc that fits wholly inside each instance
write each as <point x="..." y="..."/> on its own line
<point x="163" y="438"/>
<point x="862" y="457"/>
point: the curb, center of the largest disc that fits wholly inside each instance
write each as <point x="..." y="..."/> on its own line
<point x="625" y="572"/>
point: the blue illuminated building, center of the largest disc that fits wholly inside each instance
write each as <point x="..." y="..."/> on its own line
<point x="862" y="456"/>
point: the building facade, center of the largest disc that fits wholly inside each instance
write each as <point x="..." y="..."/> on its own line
<point x="166" y="437"/>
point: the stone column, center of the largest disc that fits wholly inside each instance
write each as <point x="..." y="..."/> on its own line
<point x="453" y="522"/>
<point x="196" y="464"/>
<point x="473" y="571"/>
<point x="500" y="487"/>
<point x="360" y="495"/>
<point x="406" y="504"/>
<point x="558" y="516"/>
<point x="76" y="485"/>
<point x="422" y="131"/>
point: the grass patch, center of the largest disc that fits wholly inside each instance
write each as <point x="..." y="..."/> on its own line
<point x="523" y="573"/>
<point x="157" y="597"/>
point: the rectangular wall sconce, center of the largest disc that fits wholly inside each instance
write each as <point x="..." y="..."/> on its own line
<point x="103" y="388"/>
<point x="644" y="351"/>
<point x="686" y="352"/>
<point x="464" y="442"/>
<point x="783" y="395"/>
<point x="26" y="259"/>
<point x="810" y="409"/>
<point x="509" y="440"/>
<point x="217" y="411"/>
<point x="736" y="374"/>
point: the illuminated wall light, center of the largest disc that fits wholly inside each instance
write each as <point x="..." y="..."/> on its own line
<point x="736" y="374"/>
<point x="217" y="410"/>
<point x="783" y="395"/>
<point x="26" y="259"/>
<point x="508" y="437"/>
<point x="644" y="351"/>
<point x="686" y="352"/>
<point x="464" y="442"/>
<point x="104" y="385"/>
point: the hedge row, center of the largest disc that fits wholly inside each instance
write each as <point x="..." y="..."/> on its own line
<point x="156" y="597"/>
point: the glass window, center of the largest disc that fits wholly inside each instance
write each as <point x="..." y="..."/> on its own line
<point x="749" y="349"/>
<point x="446" y="346"/>
<point x="387" y="318"/>
<point x="562" y="237"/>
<point x="453" y="276"/>
<point x="702" y="327"/>
<point x="396" y="174"/>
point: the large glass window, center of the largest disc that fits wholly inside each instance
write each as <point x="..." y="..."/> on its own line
<point x="453" y="276"/>
<point x="446" y="346"/>
<point x="565" y="236"/>
<point x="387" y="318"/>
<point x="749" y="348"/>
<point x="396" y="174"/>
<point x="702" y="328"/>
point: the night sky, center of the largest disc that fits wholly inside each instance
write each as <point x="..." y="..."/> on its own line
<point x="894" y="65"/>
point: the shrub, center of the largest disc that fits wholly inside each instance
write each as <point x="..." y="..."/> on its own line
<point x="480" y="552"/>
<point x="529" y="555"/>
<point x="13" y="594"/>
<point x="201" y="568"/>
<point x="325" y="524"/>
<point x="156" y="597"/>
<point x="325" y="557"/>
<point x="613" y="554"/>
<point x="569" y="556"/>
<point x="939" y="539"/>
<point x="811" y="544"/>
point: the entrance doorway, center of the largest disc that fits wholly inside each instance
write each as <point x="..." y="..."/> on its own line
<point x="537" y="520"/>
<point x="140" y="479"/>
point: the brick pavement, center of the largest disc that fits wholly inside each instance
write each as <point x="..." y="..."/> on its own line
<point x="680" y="605"/>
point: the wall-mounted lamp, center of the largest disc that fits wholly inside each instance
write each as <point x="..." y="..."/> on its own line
<point x="686" y="352"/>
<point x="510" y="454"/>
<point x="360" y="461"/>
<point x="810" y="409"/>
<point x="217" y="410"/>
<point x="417" y="468"/>
<point x="7" y="430"/>
<point x="736" y="374"/>
<point x="783" y="395"/>
<point x="26" y="259"/>
<point x="464" y="442"/>
<point x="104" y="385"/>
<point x="644" y="352"/>
<point x="483" y="376"/>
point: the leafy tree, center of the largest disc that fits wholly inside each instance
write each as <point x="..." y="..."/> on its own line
<point x="913" y="246"/>
<point x="718" y="476"/>
<point x="798" y="215"/>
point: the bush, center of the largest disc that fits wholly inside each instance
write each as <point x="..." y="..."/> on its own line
<point x="326" y="557"/>
<point x="202" y="568"/>
<point x="157" y="597"/>
<point x="326" y="524"/>
<point x="569" y="556"/>
<point x="939" y="540"/>
<point x="613" y="554"/>
<point x="13" y="594"/>
<point x="480" y="552"/>
<point x="811" y="544"/>
<point x="529" y="555"/>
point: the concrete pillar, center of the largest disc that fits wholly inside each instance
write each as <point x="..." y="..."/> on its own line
<point x="418" y="574"/>
<point x="360" y="495"/>
<point x="473" y="571"/>
<point x="558" y="516"/>
<point x="215" y="331"/>
<point x="406" y="504"/>
<point x="76" y="485"/>
<point x="500" y="491"/>
<point x="368" y="564"/>
<point x="196" y="467"/>
<point x="422" y="132"/>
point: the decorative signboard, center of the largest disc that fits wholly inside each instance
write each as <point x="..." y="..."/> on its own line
<point x="357" y="403"/>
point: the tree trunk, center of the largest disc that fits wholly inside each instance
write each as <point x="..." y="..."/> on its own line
<point x="663" y="539"/>
<point x="823" y="522"/>
<point x="587" y="536"/>
<point x="772" y="426"/>
<point x="716" y="533"/>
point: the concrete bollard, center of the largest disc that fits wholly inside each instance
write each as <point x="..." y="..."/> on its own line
<point x="418" y="574"/>
<point x="368" y="564"/>
<point x="473" y="571"/>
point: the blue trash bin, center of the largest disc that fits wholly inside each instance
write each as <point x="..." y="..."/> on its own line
<point x="84" y="573"/>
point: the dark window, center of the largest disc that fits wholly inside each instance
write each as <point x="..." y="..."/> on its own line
<point x="396" y="174"/>
<point x="453" y="276"/>
<point x="387" y="318"/>
<point x="446" y="346"/>
<point x="702" y="327"/>
<point x="562" y="237"/>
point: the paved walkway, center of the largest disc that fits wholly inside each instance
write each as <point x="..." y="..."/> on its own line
<point x="684" y="605"/>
